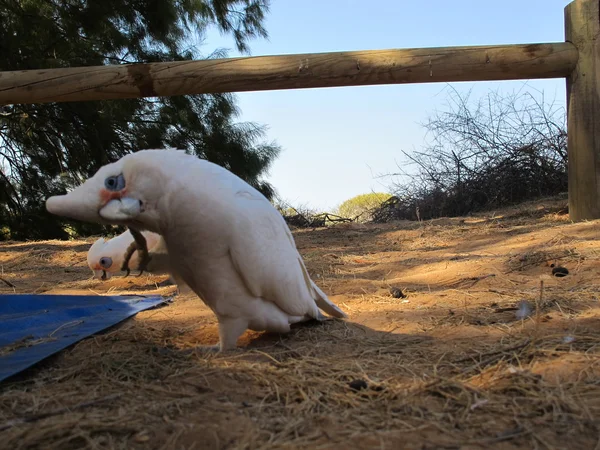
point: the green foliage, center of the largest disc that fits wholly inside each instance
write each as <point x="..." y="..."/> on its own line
<point x="361" y="206"/>
<point x="46" y="149"/>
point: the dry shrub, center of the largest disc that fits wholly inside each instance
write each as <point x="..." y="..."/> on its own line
<point x="304" y="217"/>
<point x="496" y="152"/>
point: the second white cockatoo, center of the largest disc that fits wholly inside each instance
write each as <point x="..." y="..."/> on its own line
<point x="106" y="257"/>
<point x="224" y="238"/>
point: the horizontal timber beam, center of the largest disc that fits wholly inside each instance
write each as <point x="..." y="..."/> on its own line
<point x="300" y="71"/>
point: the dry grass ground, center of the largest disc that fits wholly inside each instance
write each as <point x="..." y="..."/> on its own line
<point x="450" y="366"/>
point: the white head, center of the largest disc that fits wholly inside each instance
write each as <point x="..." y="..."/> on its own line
<point x="100" y="264"/>
<point x="105" y="257"/>
<point x="122" y="193"/>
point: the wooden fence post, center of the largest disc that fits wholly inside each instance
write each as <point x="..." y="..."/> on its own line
<point x="582" y="28"/>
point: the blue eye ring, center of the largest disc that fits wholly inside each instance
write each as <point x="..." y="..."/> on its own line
<point x="105" y="262"/>
<point x="115" y="183"/>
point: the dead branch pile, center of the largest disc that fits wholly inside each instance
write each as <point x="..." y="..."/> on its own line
<point x="500" y="152"/>
<point x="305" y="218"/>
<point x="314" y="221"/>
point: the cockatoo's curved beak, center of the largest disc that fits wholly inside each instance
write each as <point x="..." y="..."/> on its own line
<point x="101" y="275"/>
<point x="74" y="205"/>
<point x="86" y="204"/>
<point x="125" y="208"/>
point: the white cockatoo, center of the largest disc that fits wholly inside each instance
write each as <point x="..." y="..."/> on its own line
<point x="224" y="238"/>
<point x="105" y="257"/>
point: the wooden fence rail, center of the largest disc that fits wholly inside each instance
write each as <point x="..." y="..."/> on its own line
<point x="508" y="62"/>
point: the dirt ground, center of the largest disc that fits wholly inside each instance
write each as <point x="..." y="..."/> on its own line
<point x="487" y="350"/>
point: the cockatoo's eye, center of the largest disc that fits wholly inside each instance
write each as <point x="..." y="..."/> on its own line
<point x="105" y="262"/>
<point x="115" y="183"/>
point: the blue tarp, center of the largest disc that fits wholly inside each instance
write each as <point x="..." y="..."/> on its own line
<point x="33" y="327"/>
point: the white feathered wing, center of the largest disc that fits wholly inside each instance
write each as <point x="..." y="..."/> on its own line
<point x="264" y="254"/>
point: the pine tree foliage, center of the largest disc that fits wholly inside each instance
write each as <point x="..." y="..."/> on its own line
<point x="47" y="148"/>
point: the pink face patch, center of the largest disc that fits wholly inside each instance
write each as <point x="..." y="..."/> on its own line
<point x="106" y="195"/>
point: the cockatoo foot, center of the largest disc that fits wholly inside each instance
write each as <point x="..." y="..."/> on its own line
<point x="139" y="243"/>
<point x="229" y="332"/>
<point x="128" y="254"/>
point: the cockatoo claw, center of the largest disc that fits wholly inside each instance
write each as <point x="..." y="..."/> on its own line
<point x="128" y="254"/>
<point x="139" y="243"/>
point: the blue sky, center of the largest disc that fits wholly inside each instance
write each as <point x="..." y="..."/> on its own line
<point x="336" y="141"/>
